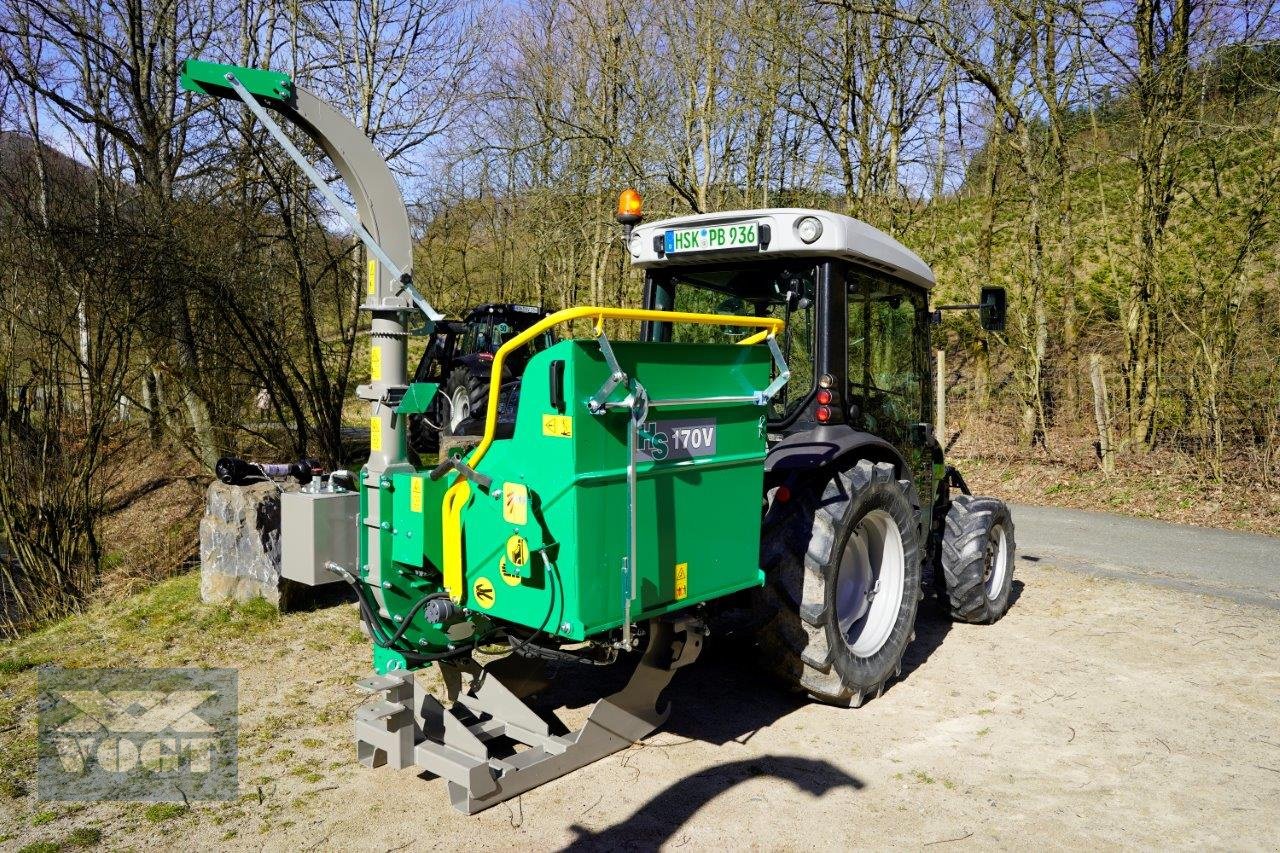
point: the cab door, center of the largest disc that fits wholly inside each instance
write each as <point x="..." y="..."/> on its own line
<point x="888" y="367"/>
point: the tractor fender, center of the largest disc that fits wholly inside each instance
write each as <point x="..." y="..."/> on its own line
<point x="826" y="447"/>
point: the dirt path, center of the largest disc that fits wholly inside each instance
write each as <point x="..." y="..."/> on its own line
<point x="1098" y="712"/>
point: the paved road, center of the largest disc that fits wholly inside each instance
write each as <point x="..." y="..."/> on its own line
<point x="1241" y="566"/>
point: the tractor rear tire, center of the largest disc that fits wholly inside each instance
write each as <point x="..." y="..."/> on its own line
<point x="465" y="397"/>
<point x="977" y="558"/>
<point x="843" y="584"/>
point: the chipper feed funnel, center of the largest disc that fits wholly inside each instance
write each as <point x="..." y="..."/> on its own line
<point x="548" y="547"/>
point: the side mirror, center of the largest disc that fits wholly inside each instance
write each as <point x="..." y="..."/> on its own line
<point x="993" y="309"/>
<point x="733" y="305"/>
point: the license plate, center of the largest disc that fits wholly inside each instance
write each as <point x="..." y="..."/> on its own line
<point x="710" y="238"/>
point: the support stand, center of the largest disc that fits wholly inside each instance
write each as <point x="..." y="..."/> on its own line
<point x="405" y="726"/>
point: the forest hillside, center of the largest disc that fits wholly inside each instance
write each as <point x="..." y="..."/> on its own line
<point x="1114" y="166"/>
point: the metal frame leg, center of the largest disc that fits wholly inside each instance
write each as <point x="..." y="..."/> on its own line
<point x="453" y="742"/>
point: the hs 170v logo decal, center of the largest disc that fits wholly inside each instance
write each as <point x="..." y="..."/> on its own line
<point x="673" y="441"/>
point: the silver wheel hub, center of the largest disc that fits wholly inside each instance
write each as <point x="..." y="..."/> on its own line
<point x="460" y="408"/>
<point x="870" y="583"/>
<point x="997" y="563"/>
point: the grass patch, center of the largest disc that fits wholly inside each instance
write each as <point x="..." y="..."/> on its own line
<point x="161" y="812"/>
<point x="925" y="778"/>
<point x="165" y="625"/>
<point x="84" y="836"/>
<point x="41" y="847"/>
<point x="41" y="818"/>
<point x="15" y="664"/>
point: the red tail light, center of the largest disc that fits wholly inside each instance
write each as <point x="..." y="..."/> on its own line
<point x="823" y="414"/>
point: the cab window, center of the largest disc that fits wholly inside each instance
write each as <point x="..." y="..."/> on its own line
<point x="784" y="290"/>
<point x="888" y="329"/>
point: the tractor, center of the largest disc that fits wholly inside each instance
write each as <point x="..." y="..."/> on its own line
<point x="457" y="359"/>
<point x="862" y="516"/>
<point x="764" y="438"/>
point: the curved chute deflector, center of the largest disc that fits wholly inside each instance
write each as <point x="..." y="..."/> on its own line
<point x="380" y="209"/>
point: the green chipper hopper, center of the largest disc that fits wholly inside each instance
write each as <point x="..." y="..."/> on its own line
<point x="616" y="499"/>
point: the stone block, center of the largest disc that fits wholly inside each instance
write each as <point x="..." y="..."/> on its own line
<point x="240" y="543"/>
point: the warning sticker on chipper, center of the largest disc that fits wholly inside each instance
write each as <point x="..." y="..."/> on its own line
<point x="672" y="441"/>
<point x="483" y="592"/>
<point x="517" y="550"/>
<point x="515" y="503"/>
<point x="557" y="426"/>
<point x="682" y="581"/>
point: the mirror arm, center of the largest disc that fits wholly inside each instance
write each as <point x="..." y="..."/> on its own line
<point x="935" y="316"/>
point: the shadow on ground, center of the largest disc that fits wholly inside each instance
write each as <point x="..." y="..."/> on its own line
<point x="723" y="697"/>
<point x="660" y="818"/>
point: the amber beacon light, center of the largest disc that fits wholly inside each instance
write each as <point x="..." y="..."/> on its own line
<point x="630" y="208"/>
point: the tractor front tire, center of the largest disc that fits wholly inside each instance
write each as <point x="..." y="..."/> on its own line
<point x="465" y="397"/>
<point x="977" y="558"/>
<point x="843" y="584"/>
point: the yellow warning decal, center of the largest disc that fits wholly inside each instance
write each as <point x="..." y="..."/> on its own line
<point x="517" y="550"/>
<point x="515" y="503"/>
<point x="375" y="434"/>
<point x="510" y="577"/>
<point x="415" y="495"/>
<point x="560" y="426"/>
<point x="375" y="364"/>
<point x="484" y="593"/>
<point x="372" y="286"/>
<point x="682" y="581"/>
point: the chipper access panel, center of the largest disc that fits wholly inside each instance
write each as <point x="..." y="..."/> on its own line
<point x="623" y="506"/>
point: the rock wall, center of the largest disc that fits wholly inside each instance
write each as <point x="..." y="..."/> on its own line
<point x="240" y="543"/>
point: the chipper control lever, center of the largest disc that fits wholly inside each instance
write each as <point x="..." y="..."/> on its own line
<point x="455" y="463"/>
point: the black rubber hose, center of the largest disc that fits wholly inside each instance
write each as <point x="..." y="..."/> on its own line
<point x="413" y="611"/>
<point x="371" y="618"/>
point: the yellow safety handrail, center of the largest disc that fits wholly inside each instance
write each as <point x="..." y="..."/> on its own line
<point x="456" y="496"/>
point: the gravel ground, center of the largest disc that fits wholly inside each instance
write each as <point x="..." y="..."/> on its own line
<point x="1099" y="713"/>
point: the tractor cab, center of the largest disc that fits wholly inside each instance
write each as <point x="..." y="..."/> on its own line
<point x="855" y="305"/>
<point x="458" y="359"/>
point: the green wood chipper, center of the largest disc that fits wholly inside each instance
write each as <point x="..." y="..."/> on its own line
<point x="762" y="448"/>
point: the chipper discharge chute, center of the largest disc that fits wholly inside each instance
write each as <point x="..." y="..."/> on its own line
<point x="626" y="492"/>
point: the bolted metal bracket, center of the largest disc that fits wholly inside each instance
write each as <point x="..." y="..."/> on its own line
<point x="617" y="376"/>
<point x="405" y="725"/>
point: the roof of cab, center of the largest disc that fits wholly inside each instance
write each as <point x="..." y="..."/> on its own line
<point x="842" y="236"/>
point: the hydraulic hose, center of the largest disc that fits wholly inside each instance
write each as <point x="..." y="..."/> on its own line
<point x="369" y="614"/>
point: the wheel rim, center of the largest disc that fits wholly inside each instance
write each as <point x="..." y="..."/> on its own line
<point x="870" y="583"/>
<point x="460" y="409"/>
<point x="997" y="564"/>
